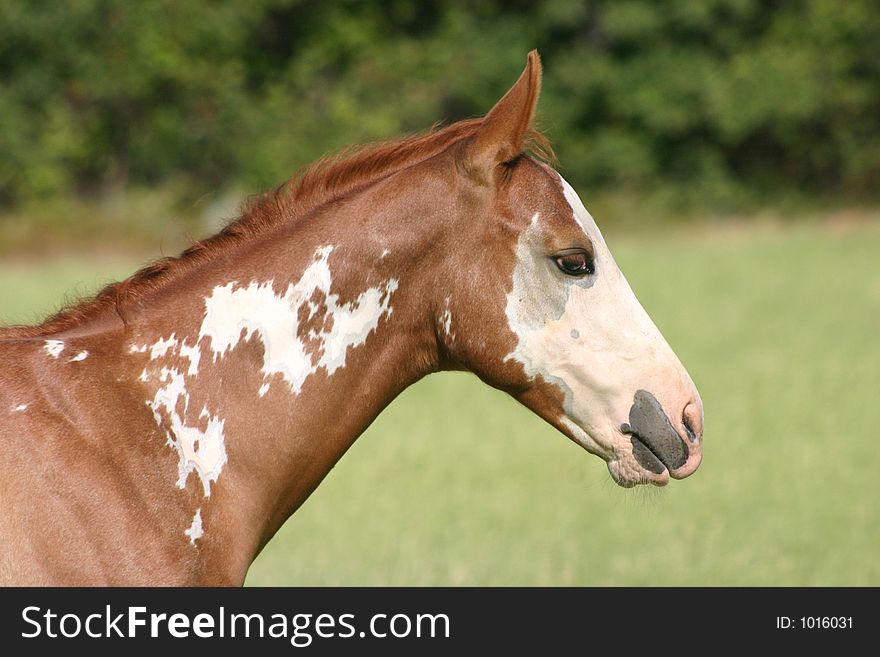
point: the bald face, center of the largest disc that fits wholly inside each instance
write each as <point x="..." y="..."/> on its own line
<point x="579" y="349"/>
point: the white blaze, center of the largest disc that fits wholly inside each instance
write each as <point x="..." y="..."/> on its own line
<point x="589" y="336"/>
<point x="234" y="313"/>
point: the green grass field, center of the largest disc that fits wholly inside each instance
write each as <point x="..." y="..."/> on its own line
<point x="455" y="484"/>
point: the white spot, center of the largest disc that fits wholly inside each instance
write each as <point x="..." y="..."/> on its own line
<point x="53" y="347"/>
<point x="264" y="389"/>
<point x="195" y="531"/>
<point x="385" y="252"/>
<point x="234" y="313"/>
<point x="20" y="408"/>
<point x="446" y="321"/>
<point x="144" y="376"/>
<point x="194" y="354"/>
<point x="161" y="347"/>
<point x="80" y="356"/>
<point x="202" y="451"/>
<point x="135" y="349"/>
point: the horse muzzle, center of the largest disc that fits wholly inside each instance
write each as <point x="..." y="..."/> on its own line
<point x="660" y="446"/>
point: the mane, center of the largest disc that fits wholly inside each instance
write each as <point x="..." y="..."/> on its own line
<point x="327" y="180"/>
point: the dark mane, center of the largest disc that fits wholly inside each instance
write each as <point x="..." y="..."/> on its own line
<point x="317" y="184"/>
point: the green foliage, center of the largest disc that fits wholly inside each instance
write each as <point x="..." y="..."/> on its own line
<point x="721" y="101"/>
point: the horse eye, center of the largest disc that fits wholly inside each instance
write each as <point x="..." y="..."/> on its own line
<point x="576" y="263"/>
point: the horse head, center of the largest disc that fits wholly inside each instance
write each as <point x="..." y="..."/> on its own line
<point x="540" y="309"/>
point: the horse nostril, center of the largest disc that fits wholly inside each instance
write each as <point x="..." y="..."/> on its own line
<point x="687" y="427"/>
<point x="690" y="418"/>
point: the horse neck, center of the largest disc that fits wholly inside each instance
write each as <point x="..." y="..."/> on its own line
<point x="262" y="369"/>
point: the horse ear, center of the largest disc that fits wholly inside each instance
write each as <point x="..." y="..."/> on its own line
<point x="500" y="137"/>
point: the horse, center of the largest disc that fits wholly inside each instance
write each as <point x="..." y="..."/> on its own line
<point x="162" y="431"/>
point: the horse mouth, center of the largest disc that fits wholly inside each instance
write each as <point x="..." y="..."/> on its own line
<point x="650" y="459"/>
<point x="639" y="457"/>
<point x="661" y="460"/>
<point x="657" y="447"/>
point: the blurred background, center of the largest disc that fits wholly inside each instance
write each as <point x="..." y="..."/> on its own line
<point x="730" y="150"/>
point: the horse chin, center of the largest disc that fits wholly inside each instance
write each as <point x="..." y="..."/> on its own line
<point x="627" y="473"/>
<point x="617" y="452"/>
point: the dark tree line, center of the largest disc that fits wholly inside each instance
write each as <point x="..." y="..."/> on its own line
<point x="721" y="100"/>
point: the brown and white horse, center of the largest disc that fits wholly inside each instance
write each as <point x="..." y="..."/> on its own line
<point x="163" y="431"/>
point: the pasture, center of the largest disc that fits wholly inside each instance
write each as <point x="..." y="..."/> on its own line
<point x="455" y="484"/>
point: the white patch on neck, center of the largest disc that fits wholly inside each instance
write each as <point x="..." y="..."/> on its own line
<point x="80" y="356"/>
<point x="202" y="451"/>
<point x="195" y="531"/>
<point x="200" y="446"/>
<point x="21" y="408"/>
<point x="161" y="347"/>
<point x="53" y="347"/>
<point x="234" y="313"/>
<point x="194" y="355"/>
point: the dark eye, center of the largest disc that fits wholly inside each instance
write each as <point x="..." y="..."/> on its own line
<point x="575" y="263"/>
